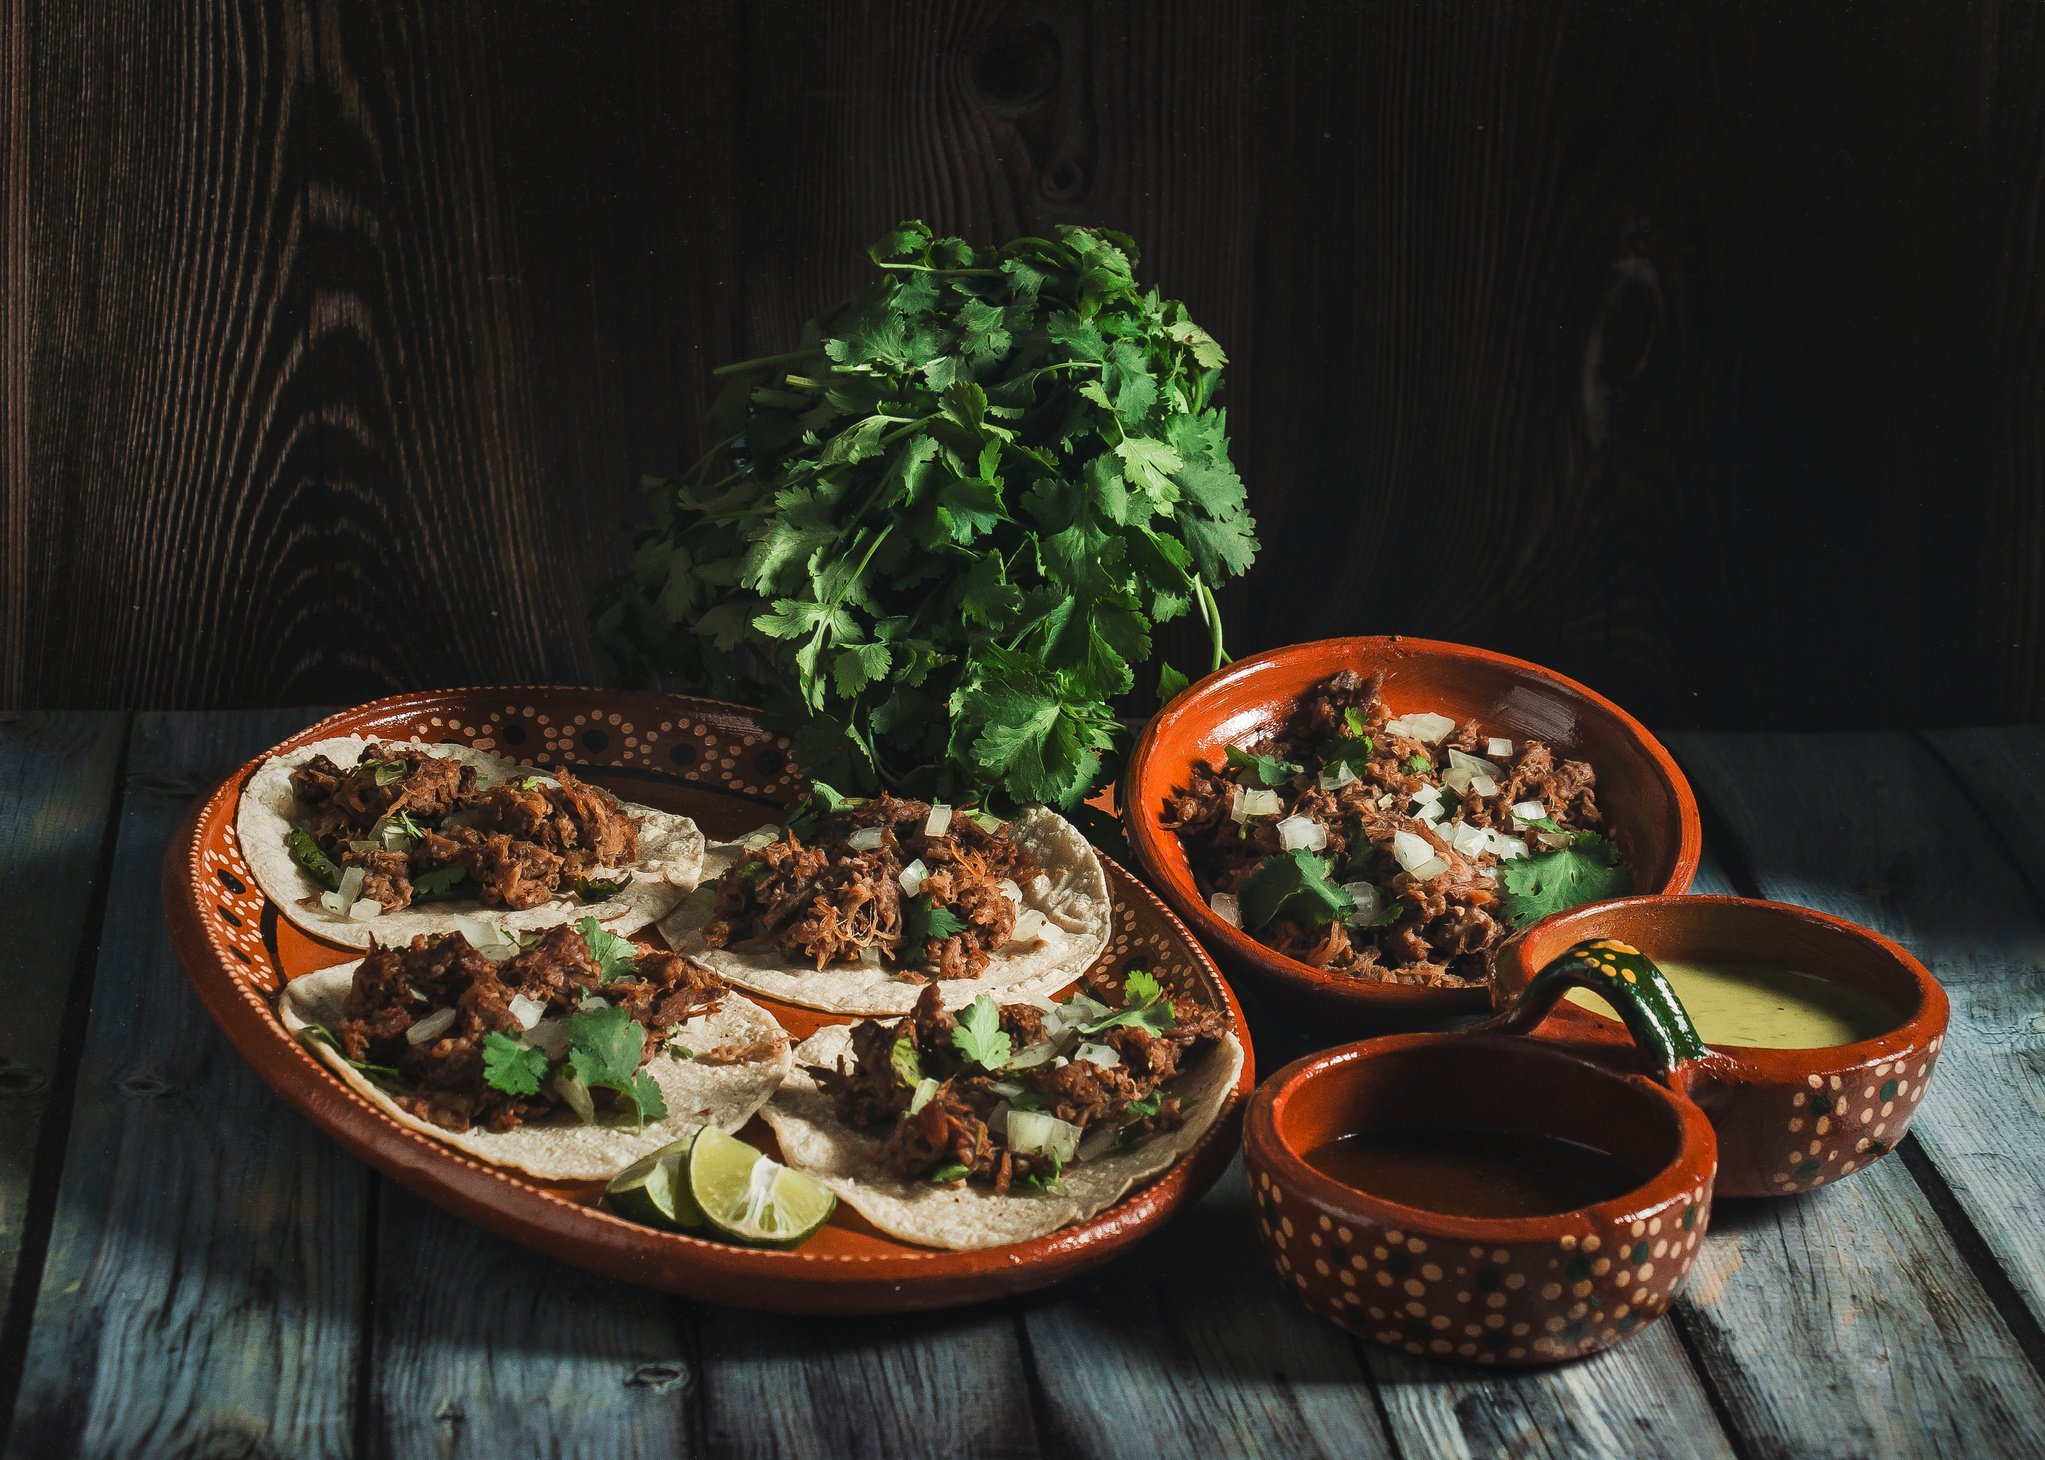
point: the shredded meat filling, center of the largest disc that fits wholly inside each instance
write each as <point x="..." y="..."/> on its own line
<point x="441" y="1079"/>
<point x="1437" y="931"/>
<point x="833" y="898"/>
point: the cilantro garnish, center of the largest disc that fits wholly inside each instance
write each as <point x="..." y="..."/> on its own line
<point x="907" y="1062"/>
<point x="604" y="1047"/>
<point x="923" y="920"/>
<point x="615" y="956"/>
<point x="440" y="884"/>
<point x="979" y="1035"/>
<point x="941" y="533"/>
<point x="822" y="801"/>
<point x="532" y="783"/>
<point x="601" y="889"/>
<point x="386" y="1073"/>
<point x="751" y="870"/>
<point x="1269" y="769"/>
<point x="945" y="1175"/>
<point x="1295" y="884"/>
<point x="1146" y="1107"/>
<point x="1356" y="723"/>
<point x="1587" y="870"/>
<point x="514" y="1068"/>
<point x="1147" y="1006"/>
<point x="386" y="772"/>
<point x="1419" y="765"/>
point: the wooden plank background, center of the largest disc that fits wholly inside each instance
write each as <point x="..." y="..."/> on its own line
<point x="1693" y="350"/>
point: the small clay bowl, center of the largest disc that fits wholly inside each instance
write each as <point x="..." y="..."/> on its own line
<point x="1649" y="809"/>
<point x="1535" y="1290"/>
<point x="1787" y="1119"/>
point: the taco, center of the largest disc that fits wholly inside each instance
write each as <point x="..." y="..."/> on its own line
<point x="1006" y="1122"/>
<point x="359" y="840"/>
<point x="568" y="1055"/>
<point x="855" y="906"/>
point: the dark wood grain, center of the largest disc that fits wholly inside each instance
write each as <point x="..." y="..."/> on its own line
<point x="202" y="1293"/>
<point x="334" y="337"/>
<point x="57" y="776"/>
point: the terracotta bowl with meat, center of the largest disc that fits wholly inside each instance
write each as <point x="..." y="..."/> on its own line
<point x="1358" y="823"/>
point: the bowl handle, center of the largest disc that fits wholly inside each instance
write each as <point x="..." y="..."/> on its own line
<point x="1625" y="978"/>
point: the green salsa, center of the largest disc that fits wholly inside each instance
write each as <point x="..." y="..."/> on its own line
<point x="1758" y="1006"/>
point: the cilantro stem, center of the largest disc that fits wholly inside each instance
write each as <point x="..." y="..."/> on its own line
<point x="937" y="269"/>
<point x="743" y="367"/>
<point x="1210" y="614"/>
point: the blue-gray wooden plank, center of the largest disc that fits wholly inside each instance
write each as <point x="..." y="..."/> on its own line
<point x="920" y="1384"/>
<point x="1846" y="1321"/>
<point x="487" y="1348"/>
<point x="202" y="1291"/>
<point x="57" y="776"/>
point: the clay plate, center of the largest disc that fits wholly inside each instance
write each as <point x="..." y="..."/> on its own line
<point x="1649" y="809"/>
<point x="716" y="763"/>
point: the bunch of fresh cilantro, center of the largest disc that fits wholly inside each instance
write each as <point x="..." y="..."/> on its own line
<point x="938" y="535"/>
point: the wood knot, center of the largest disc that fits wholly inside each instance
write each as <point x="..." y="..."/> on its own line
<point x="146" y="1085"/>
<point x="20" y="1079"/>
<point x="658" y="1377"/>
<point x="1018" y="64"/>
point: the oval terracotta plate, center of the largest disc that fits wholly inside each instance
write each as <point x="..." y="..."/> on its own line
<point x="716" y="763"/>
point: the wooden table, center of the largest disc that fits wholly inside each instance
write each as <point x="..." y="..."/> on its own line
<point x="189" y="1269"/>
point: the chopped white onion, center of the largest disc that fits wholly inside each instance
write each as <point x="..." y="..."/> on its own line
<point x="1428" y="728"/>
<point x="925" y="1088"/>
<point x="866" y="839"/>
<point x="1412" y="852"/>
<point x="1010" y="891"/>
<point x="1483" y="786"/>
<point x="1554" y="840"/>
<point x="1261" y="803"/>
<point x="986" y="821"/>
<point x="365" y="908"/>
<point x="760" y="836"/>
<point x="1430" y="869"/>
<point x="1463" y="770"/>
<point x="1029" y="926"/>
<point x="1098" y="1054"/>
<point x="1430" y="813"/>
<point x="1228" y="908"/>
<point x="1073" y="1012"/>
<point x="1507" y="847"/>
<point x="342" y="898"/>
<point x="568" y="1085"/>
<point x="526" y="1011"/>
<point x="1336" y="778"/>
<point x="592" y="1001"/>
<point x="911" y="877"/>
<point x="1235" y="806"/>
<point x="431" y="1027"/>
<point x="1465" y="838"/>
<point x="1498" y="745"/>
<point x="1366" y="902"/>
<point x="1030" y="1056"/>
<point x="1297" y="832"/>
<point x="549" y="1037"/>
<point x="938" y="821"/>
<point x="1384" y="801"/>
<point x="1529" y="811"/>
<point x="1427" y="795"/>
<point x="1037" y="1133"/>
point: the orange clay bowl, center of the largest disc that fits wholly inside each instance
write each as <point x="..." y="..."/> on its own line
<point x="1787" y="1119"/>
<point x="1502" y="1291"/>
<point x="1649" y="810"/>
<point x="718" y="764"/>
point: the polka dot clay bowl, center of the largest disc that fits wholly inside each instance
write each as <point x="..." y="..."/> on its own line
<point x="1649" y="809"/>
<point x="1483" y="1290"/>
<point x="1787" y="1119"/>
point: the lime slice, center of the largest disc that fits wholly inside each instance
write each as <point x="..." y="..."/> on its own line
<point x="750" y="1198"/>
<point x="654" y="1190"/>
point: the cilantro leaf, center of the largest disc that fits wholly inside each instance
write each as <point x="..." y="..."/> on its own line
<point x="1269" y="769"/>
<point x="1141" y="986"/>
<point x="1356" y="723"/>
<point x="1419" y="765"/>
<point x="604" y="1045"/>
<point x="945" y="1175"/>
<point x="979" y="1036"/>
<point x="1295" y="884"/>
<point x="601" y="889"/>
<point x="1589" y="869"/>
<point x="514" y="1068"/>
<point x="1146" y="1006"/>
<point x="1148" y="1106"/>
<point x="923" y="920"/>
<point x="908" y="1064"/>
<point x="615" y="956"/>
<point x="442" y="884"/>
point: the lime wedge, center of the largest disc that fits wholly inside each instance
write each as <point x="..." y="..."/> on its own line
<point x="654" y="1190"/>
<point x="750" y="1198"/>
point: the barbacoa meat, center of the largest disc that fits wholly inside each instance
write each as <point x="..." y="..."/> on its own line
<point x="958" y="1128"/>
<point x="825" y="900"/>
<point x="442" y="1079"/>
<point x="1444" y="926"/>
<point x="400" y="813"/>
